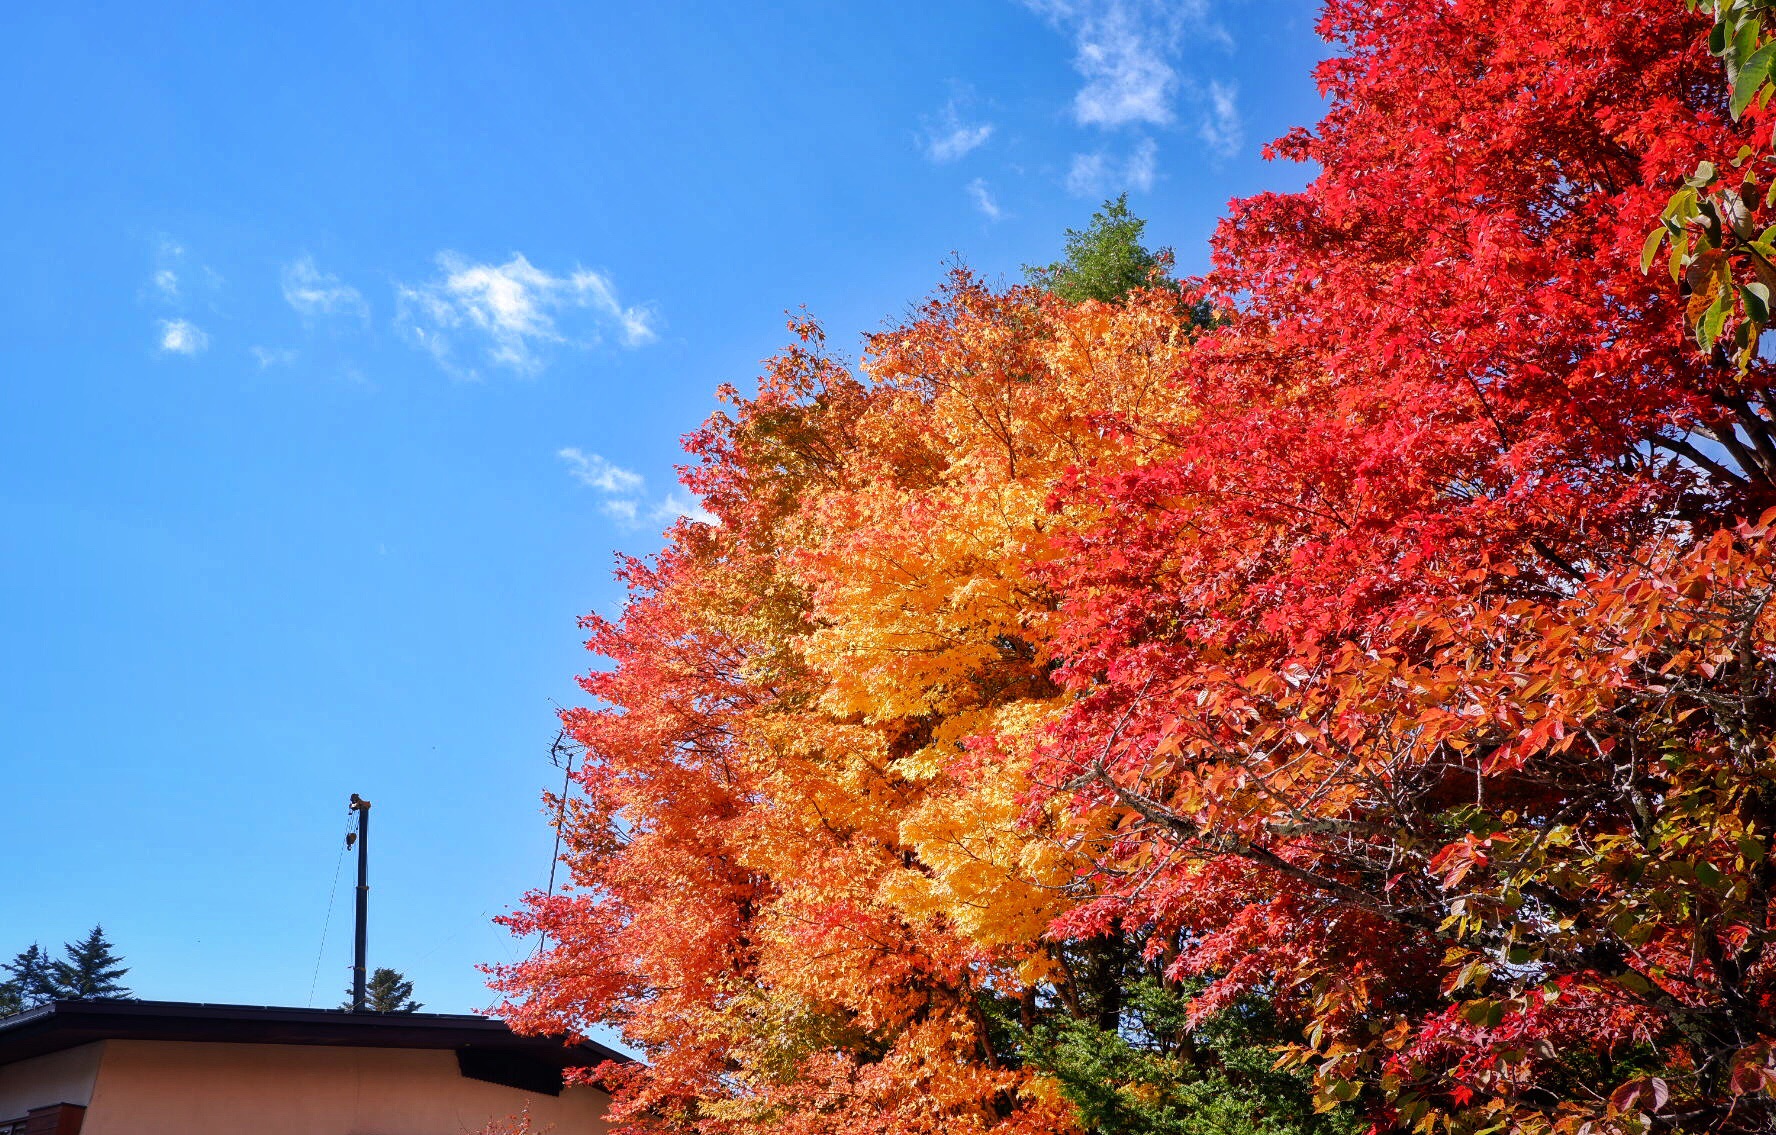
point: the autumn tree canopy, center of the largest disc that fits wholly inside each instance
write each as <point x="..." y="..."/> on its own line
<point x="1348" y="709"/>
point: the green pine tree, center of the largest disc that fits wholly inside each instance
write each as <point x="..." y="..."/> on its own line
<point x="387" y="992"/>
<point x="89" y="970"/>
<point x="1149" y="1071"/>
<point x="1106" y="260"/>
<point x="32" y="981"/>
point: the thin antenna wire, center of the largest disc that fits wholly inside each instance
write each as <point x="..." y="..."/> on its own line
<point x="556" y="751"/>
<point x="560" y="810"/>
<point x="328" y="921"/>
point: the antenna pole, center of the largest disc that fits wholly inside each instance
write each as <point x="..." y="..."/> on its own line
<point x="362" y="807"/>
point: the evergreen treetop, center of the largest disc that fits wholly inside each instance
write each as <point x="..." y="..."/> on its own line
<point x="1106" y="260"/>
<point x="31" y="982"/>
<point x="90" y="970"/>
<point x="387" y="991"/>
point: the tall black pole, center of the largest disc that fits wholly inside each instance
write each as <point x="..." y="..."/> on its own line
<point x="362" y="807"/>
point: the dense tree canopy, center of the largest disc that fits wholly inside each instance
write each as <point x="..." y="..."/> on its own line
<point x="1082" y="705"/>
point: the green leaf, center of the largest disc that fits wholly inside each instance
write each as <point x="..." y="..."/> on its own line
<point x="1752" y="76"/>
<point x="1713" y="226"/>
<point x="1745" y="38"/>
<point x="1751" y="849"/>
<point x="1633" y="981"/>
<point x="1703" y="177"/>
<point x="1680" y="251"/>
<point x="1756" y="298"/>
<point x="1712" y="321"/>
<point x="1651" y="249"/>
<point x="1485" y="1013"/>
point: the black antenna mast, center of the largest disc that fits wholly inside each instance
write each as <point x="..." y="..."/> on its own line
<point x="362" y="807"/>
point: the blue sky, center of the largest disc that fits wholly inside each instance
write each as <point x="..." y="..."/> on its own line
<point x="341" y="351"/>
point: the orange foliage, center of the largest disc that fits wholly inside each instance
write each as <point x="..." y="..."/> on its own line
<point x="793" y="874"/>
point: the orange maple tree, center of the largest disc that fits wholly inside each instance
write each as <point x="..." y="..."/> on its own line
<point x="795" y="879"/>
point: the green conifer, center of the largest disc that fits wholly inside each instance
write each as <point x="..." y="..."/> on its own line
<point x="387" y="992"/>
<point x="32" y="981"/>
<point x="89" y="970"/>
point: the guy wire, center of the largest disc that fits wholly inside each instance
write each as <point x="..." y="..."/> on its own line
<point x="559" y="748"/>
<point x="338" y="862"/>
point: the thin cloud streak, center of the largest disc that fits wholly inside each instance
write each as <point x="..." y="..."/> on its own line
<point x="268" y="357"/>
<point x="593" y="471"/>
<point x="622" y="491"/>
<point x="983" y="200"/>
<point x="315" y="293"/>
<point x="950" y="137"/>
<point x="1221" y="128"/>
<point x="1097" y="174"/>
<point x="515" y="312"/>
<point x="683" y="505"/>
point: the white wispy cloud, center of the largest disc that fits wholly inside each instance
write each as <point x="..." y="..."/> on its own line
<point x="313" y="292"/>
<point x="624" y="511"/>
<point x="595" y="472"/>
<point x="1142" y="164"/>
<point x="622" y="492"/>
<point x="949" y="136"/>
<point x="1128" y="54"/>
<point x="682" y="504"/>
<point x="163" y="282"/>
<point x="1086" y="175"/>
<point x="1098" y="173"/>
<point x="182" y="337"/>
<point x="983" y="199"/>
<point x="177" y="285"/>
<point x="1124" y="50"/>
<point x="621" y="488"/>
<point x="274" y="356"/>
<point x="1221" y="129"/>
<point x="515" y="311"/>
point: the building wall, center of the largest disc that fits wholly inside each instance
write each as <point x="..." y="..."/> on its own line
<point x="60" y="1077"/>
<point x="177" y="1088"/>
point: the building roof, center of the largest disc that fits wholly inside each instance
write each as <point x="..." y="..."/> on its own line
<point x="485" y="1048"/>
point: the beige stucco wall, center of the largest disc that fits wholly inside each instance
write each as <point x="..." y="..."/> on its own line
<point x="178" y="1088"/>
<point x="41" y="1081"/>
